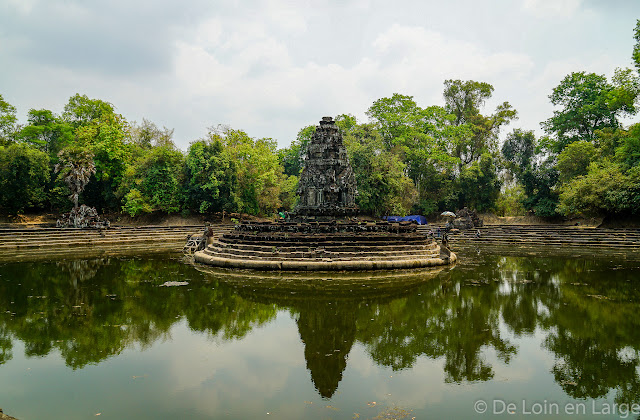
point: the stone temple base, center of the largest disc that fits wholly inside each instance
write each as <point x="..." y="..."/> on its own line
<point x="325" y="247"/>
<point x="287" y="287"/>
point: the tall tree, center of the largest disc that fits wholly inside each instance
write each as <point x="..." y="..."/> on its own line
<point x="260" y="175"/>
<point x="24" y="173"/>
<point x="81" y="110"/>
<point x="419" y="136"/>
<point x="575" y="159"/>
<point x="211" y="180"/>
<point x="291" y="157"/>
<point x="478" y="185"/>
<point x="75" y="167"/>
<point x="518" y="151"/>
<point x="589" y="103"/>
<point x="46" y="131"/>
<point x="107" y="138"/>
<point x="8" y="121"/>
<point x="154" y="182"/>
<point x="147" y="135"/>
<point x="464" y="100"/>
<point x="383" y="187"/>
<point x="395" y="116"/>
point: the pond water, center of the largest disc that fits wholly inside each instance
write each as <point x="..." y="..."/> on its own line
<point x="153" y="337"/>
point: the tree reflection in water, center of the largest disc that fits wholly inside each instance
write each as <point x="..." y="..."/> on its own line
<point x="92" y="315"/>
<point x="584" y="313"/>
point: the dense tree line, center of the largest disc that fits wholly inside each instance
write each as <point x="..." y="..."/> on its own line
<point x="407" y="159"/>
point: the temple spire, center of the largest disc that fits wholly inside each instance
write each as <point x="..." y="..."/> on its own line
<point x="327" y="185"/>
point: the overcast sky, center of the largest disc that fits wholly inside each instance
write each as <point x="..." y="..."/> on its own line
<point x="271" y="68"/>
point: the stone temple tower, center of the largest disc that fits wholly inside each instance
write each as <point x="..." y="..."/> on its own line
<point x="327" y="185"/>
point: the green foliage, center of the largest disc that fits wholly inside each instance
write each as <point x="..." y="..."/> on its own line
<point x="605" y="189"/>
<point x="8" y="121"/>
<point x="135" y="203"/>
<point x="588" y="103"/>
<point x="81" y="110"/>
<point x="425" y="148"/>
<point x="598" y="181"/>
<point x="518" y="151"/>
<point x="46" y="132"/>
<point x="463" y="101"/>
<point x="628" y="151"/>
<point x="155" y="182"/>
<point x="539" y="183"/>
<point x="147" y="135"/>
<point x="288" y="192"/>
<point x="346" y="123"/>
<point x="383" y="187"/>
<point x="395" y="116"/>
<point x="420" y="139"/>
<point x="430" y="142"/>
<point x="211" y="178"/>
<point x="575" y="159"/>
<point x="535" y="174"/>
<point x="24" y="173"/>
<point x="291" y="157"/>
<point x="509" y="202"/>
<point x="478" y="185"/>
<point x="106" y="138"/>
<point x="259" y="173"/>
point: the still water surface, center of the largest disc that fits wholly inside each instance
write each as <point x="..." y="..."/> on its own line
<point x="110" y="337"/>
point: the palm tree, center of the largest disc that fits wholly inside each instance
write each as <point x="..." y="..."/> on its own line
<point x="76" y="167"/>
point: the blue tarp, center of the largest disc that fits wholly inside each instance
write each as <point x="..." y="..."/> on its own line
<point x="421" y="220"/>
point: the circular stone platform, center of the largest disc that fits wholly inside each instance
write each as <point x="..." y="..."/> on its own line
<point x="289" y="286"/>
<point x="325" y="246"/>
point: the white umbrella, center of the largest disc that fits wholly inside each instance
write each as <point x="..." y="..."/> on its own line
<point x="448" y="214"/>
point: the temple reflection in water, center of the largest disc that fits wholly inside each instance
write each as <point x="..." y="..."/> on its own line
<point x="94" y="310"/>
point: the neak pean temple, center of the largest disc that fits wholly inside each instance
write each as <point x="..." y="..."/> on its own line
<point x="323" y="233"/>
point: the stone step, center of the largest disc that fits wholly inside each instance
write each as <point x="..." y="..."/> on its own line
<point x="325" y="258"/>
<point x="114" y="237"/>
<point x="86" y="243"/>
<point x="545" y="236"/>
<point x="329" y="246"/>
<point x="281" y="241"/>
<point x="549" y="238"/>
<point x="103" y="232"/>
<point x="549" y="243"/>
<point x="92" y="236"/>
<point x="363" y="253"/>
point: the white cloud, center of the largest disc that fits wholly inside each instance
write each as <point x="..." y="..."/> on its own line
<point x="272" y="67"/>
<point x="286" y="16"/>
<point x="21" y="6"/>
<point x="254" y="76"/>
<point x="552" y="8"/>
<point x="422" y="57"/>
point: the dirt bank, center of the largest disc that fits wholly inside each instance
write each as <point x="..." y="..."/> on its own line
<point x="121" y="219"/>
<point x="492" y="219"/>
